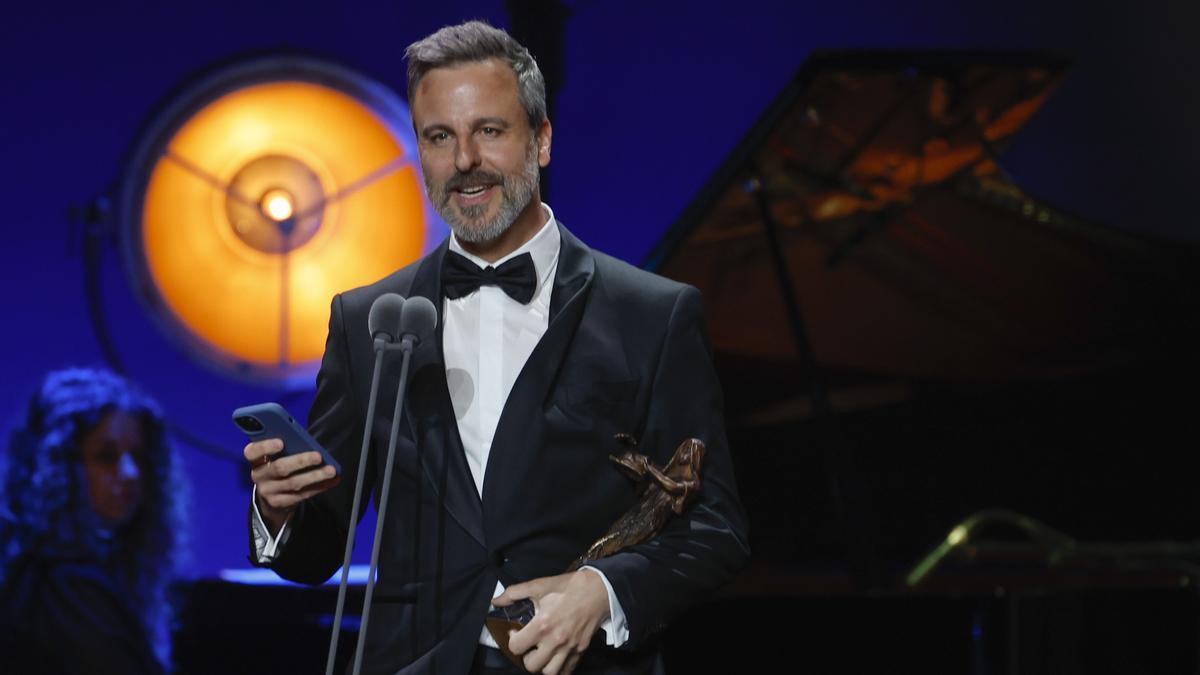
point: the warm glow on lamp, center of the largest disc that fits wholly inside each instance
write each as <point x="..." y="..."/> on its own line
<point x="263" y="203"/>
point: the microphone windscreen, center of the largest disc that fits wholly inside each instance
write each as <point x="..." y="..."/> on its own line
<point x="385" y="317"/>
<point x="418" y="318"/>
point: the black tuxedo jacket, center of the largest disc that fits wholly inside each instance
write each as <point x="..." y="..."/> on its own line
<point x="625" y="351"/>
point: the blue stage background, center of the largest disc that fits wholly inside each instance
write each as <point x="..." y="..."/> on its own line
<point x="656" y="95"/>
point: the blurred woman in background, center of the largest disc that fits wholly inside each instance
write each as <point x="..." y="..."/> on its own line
<point x="89" y="530"/>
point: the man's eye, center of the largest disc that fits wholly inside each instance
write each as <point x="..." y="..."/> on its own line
<point x="491" y="131"/>
<point x="438" y="138"/>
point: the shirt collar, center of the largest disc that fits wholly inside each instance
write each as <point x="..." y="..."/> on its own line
<point x="543" y="248"/>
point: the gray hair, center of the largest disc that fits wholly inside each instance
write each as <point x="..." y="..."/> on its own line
<point x="478" y="41"/>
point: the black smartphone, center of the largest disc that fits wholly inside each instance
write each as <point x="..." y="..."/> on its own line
<point x="269" y="420"/>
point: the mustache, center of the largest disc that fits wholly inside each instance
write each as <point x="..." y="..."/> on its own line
<point x="476" y="178"/>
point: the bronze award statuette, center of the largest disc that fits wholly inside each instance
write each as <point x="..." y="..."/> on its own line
<point x="665" y="492"/>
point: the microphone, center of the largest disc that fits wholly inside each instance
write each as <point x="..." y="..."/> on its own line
<point x="385" y="322"/>
<point x="418" y="320"/>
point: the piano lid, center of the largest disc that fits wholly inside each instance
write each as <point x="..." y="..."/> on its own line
<point x="912" y="255"/>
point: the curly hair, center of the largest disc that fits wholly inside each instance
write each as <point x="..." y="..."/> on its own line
<point x="44" y="505"/>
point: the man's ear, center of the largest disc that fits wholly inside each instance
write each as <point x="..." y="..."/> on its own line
<point x="543" y="136"/>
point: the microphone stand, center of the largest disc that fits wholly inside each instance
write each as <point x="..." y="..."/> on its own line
<point x="381" y="347"/>
<point x="406" y="346"/>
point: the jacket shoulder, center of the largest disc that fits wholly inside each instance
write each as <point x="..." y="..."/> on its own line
<point x="625" y="283"/>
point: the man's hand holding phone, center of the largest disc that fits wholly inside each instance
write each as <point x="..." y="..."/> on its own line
<point x="283" y="481"/>
<point x="287" y="465"/>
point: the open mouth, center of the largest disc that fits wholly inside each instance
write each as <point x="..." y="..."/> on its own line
<point x="474" y="193"/>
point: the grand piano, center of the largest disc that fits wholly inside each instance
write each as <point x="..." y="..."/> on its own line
<point x="907" y="339"/>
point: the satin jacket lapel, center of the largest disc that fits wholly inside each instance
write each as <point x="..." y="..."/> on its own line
<point x="572" y="282"/>
<point x="431" y="414"/>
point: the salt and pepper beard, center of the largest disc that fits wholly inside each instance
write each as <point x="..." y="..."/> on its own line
<point x="516" y="190"/>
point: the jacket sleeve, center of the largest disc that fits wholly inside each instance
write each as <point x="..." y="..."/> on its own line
<point x="318" y="527"/>
<point x="702" y="549"/>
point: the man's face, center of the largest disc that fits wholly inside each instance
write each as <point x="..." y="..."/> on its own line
<point x="478" y="154"/>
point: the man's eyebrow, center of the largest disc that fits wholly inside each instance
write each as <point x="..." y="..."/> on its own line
<point x="426" y="130"/>
<point x="492" y="122"/>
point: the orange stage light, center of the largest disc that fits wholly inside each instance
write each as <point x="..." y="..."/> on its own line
<point x="260" y="196"/>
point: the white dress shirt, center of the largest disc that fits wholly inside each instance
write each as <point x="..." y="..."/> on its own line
<point x="487" y="337"/>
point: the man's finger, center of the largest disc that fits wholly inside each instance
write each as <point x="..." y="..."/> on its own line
<point x="572" y="661"/>
<point x="534" y="589"/>
<point x="256" y="451"/>
<point x="536" y="659"/>
<point x="299" y="482"/>
<point x="521" y="641"/>
<point x="286" y="500"/>
<point x="528" y="589"/>
<point x="295" y="483"/>
<point x="554" y="667"/>
<point x="504" y="599"/>
<point x="284" y="467"/>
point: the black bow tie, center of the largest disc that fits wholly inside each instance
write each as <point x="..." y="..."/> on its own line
<point x="517" y="277"/>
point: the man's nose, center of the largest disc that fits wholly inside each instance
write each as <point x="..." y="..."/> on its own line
<point x="127" y="468"/>
<point x="466" y="155"/>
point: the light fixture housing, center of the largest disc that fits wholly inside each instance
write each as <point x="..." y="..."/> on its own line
<point x="259" y="191"/>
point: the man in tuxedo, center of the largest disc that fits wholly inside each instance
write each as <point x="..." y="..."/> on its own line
<point x="545" y="352"/>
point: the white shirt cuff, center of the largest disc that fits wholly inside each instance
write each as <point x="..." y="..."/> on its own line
<point x="616" y="631"/>
<point x="266" y="547"/>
